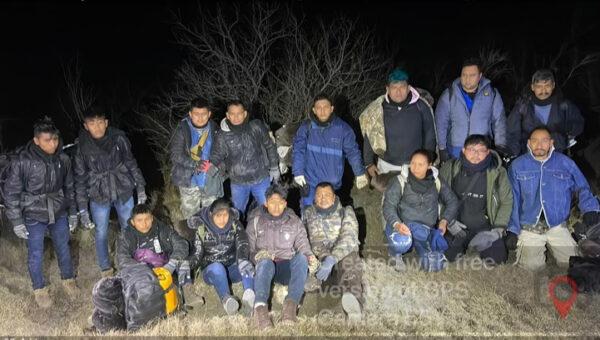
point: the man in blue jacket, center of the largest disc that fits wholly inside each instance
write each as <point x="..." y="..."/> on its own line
<point x="319" y="148"/>
<point x="543" y="182"/>
<point x="469" y="106"/>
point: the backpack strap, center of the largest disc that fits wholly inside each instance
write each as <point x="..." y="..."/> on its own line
<point x="402" y="181"/>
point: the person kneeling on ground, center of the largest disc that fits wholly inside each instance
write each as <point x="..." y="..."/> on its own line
<point x="333" y="234"/>
<point x="280" y="249"/>
<point x="482" y="184"/>
<point x="221" y="252"/>
<point x="410" y="210"/>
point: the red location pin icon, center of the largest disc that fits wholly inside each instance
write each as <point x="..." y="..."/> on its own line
<point x="562" y="306"/>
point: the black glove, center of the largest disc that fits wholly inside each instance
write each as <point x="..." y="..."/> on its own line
<point x="510" y="240"/>
<point x="444" y="155"/>
<point x="580" y="231"/>
<point x="591" y="218"/>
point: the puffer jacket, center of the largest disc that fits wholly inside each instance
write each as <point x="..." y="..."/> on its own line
<point x="282" y="236"/>
<point x="211" y="244"/>
<point x="170" y="243"/>
<point x="39" y="186"/>
<point x="245" y="153"/>
<point x="498" y="193"/>
<point x="334" y="233"/>
<point x="105" y="177"/>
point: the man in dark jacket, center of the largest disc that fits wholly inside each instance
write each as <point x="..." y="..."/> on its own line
<point x="221" y="252"/>
<point x="191" y="146"/>
<point x="39" y="195"/>
<point x="395" y="125"/>
<point x="544" y="105"/>
<point x="247" y="154"/>
<point x="320" y="145"/>
<point x="485" y="200"/>
<point x="106" y="174"/>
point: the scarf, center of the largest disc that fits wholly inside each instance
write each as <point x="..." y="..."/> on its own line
<point x="471" y="168"/>
<point x="330" y="210"/>
<point x="421" y="186"/>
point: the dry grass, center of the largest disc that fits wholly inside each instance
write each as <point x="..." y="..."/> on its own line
<point x="466" y="299"/>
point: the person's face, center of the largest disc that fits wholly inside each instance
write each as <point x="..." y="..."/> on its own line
<point x="323" y="109"/>
<point x="475" y="153"/>
<point x="324" y="197"/>
<point x="199" y="116"/>
<point x="543" y="89"/>
<point x="419" y="166"/>
<point x="397" y="91"/>
<point x="221" y="217"/>
<point x="469" y="78"/>
<point x="96" y="126"/>
<point x="276" y="205"/>
<point x="142" y="222"/>
<point x="540" y="142"/>
<point x="236" y="114"/>
<point x="46" y="141"/>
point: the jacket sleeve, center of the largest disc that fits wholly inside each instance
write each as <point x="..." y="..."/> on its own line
<point x="196" y="256"/>
<point x="301" y="243"/>
<point x="428" y="129"/>
<point x="347" y="241"/>
<point x="587" y="201"/>
<point x="218" y="154"/>
<point x="179" y="152"/>
<point x="181" y="248"/>
<point x="574" y="120"/>
<point x="352" y="151"/>
<point x="514" y="224"/>
<point x="81" y="176"/>
<point x="450" y="202"/>
<point x="251" y="234"/>
<point x="499" y="120"/>
<point x="368" y="154"/>
<point x="442" y="119"/>
<point x="391" y="201"/>
<point x="505" y="204"/>
<point x="299" y="151"/>
<point x="242" y="249"/>
<point x="446" y="171"/>
<point x="13" y="187"/>
<point x="270" y="147"/>
<point x="125" y="251"/>
<point x="68" y="185"/>
<point x="513" y="129"/>
<point x="131" y="164"/>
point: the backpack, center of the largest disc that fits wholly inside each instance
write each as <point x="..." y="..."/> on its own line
<point x="109" y="305"/>
<point x="585" y="271"/>
<point x="144" y="297"/>
<point x="6" y="160"/>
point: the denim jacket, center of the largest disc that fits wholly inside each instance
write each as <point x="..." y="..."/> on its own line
<point x="547" y="185"/>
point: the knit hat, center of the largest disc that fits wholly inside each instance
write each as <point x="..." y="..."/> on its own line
<point x="397" y="75"/>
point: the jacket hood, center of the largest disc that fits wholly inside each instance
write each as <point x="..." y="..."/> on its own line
<point x="208" y="222"/>
<point x="414" y="95"/>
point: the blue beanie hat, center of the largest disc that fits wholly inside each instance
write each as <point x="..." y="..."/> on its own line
<point x="397" y="75"/>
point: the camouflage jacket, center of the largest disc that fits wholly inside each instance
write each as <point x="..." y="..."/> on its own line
<point x="334" y="234"/>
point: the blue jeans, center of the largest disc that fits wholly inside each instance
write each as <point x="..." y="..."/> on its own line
<point x="59" y="231"/>
<point x="454" y="151"/>
<point x="100" y="214"/>
<point x="292" y="273"/>
<point x="240" y="194"/>
<point x="216" y="275"/>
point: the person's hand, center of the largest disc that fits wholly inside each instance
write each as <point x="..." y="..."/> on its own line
<point x="21" y="231"/>
<point x="325" y="268"/>
<point x="372" y="170"/>
<point x="444" y="155"/>
<point x="274" y="175"/>
<point x="313" y="264"/>
<point x="84" y="218"/>
<point x="141" y="197"/>
<point x="300" y="180"/>
<point x="246" y="268"/>
<point x="362" y="181"/>
<point x="402" y="228"/>
<point x="591" y="218"/>
<point x="184" y="273"/>
<point x="510" y="240"/>
<point x="73" y="220"/>
<point x="442" y="226"/>
<point x="457" y="229"/>
<point x="171" y="266"/>
<point x="204" y="166"/>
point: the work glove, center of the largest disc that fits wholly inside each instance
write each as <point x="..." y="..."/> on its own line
<point x="141" y="197"/>
<point x="444" y="155"/>
<point x="171" y="266"/>
<point x="362" y="181"/>
<point x="300" y="180"/>
<point x="184" y="273"/>
<point x="205" y="165"/>
<point x="246" y="268"/>
<point x="510" y="240"/>
<point x="274" y="175"/>
<point x="325" y="268"/>
<point x="591" y="218"/>
<point x="84" y="217"/>
<point x="457" y="229"/>
<point x="73" y="220"/>
<point x="21" y="231"/>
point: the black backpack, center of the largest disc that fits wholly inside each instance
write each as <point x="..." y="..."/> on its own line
<point x="144" y="297"/>
<point x="109" y="305"/>
<point x="585" y="271"/>
<point x="5" y="160"/>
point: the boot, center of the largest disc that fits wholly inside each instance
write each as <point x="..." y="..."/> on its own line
<point x="261" y="317"/>
<point x="230" y="305"/>
<point x="351" y="306"/>
<point x="398" y="264"/>
<point x="248" y="302"/>
<point x="288" y="313"/>
<point x="70" y="287"/>
<point x="42" y="298"/>
<point x="192" y="299"/>
<point x="108" y="273"/>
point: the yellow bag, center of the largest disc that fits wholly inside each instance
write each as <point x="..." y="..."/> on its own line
<point x="166" y="282"/>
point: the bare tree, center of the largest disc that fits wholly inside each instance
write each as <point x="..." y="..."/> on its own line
<point x="79" y="95"/>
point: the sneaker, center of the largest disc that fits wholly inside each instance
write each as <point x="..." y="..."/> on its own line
<point x="107" y="273"/>
<point x="351" y="306"/>
<point x="70" y="287"/>
<point x="42" y="298"/>
<point x="399" y="265"/>
<point x="261" y="317"/>
<point x="247" y="302"/>
<point x="230" y="305"/>
<point x="288" y="313"/>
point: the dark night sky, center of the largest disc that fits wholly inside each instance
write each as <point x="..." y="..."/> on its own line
<point x="132" y="41"/>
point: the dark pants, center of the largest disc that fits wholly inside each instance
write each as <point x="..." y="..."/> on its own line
<point x="292" y="273"/>
<point x="347" y="275"/>
<point x="59" y="231"/>
<point x="457" y="246"/>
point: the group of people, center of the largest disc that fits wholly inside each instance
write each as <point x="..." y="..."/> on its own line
<point x="471" y="202"/>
